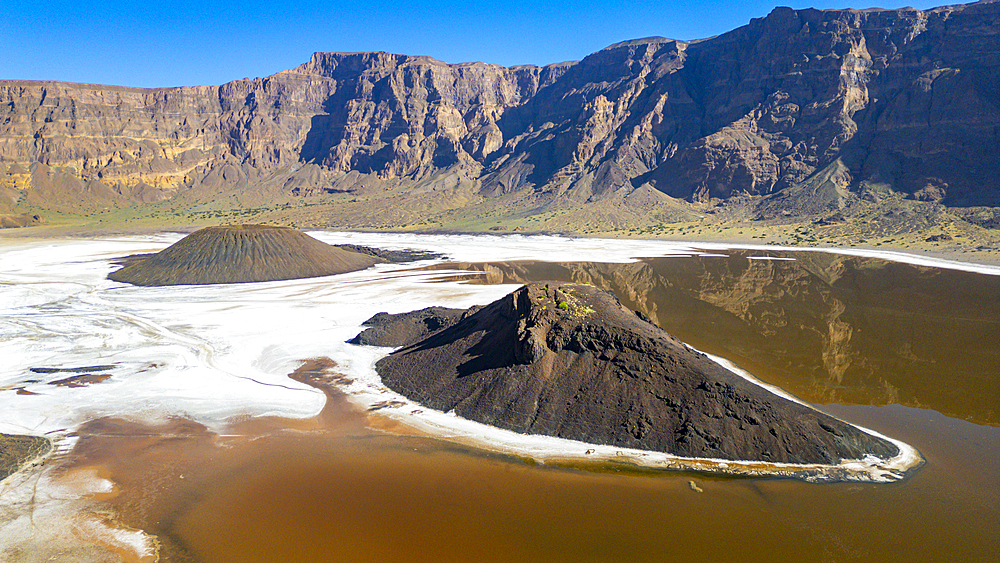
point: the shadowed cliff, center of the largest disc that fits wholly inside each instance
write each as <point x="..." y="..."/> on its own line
<point x="807" y="112"/>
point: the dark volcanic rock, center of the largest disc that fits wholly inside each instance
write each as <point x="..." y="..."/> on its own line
<point x="397" y="256"/>
<point x="404" y="329"/>
<point x="239" y="254"/>
<point x="571" y="361"/>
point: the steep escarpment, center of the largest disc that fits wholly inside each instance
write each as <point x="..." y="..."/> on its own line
<point x="804" y="112"/>
<point x="570" y="361"/>
<point x="241" y="254"/>
<point x="847" y="100"/>
<point x="393" y="115"/>
<point x="891" y="98"/>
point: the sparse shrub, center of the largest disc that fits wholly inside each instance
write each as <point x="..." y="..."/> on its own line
<point x="563" y="305"/>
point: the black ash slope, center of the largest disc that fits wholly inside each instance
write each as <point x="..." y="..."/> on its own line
<point x="241" y="254"/>
<point x="570" y="361"/>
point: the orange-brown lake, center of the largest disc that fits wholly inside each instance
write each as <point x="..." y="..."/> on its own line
<point x="912" y="352"/>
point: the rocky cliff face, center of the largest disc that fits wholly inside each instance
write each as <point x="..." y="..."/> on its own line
<point x="836" y="100"/>
<point x="826" y="107"/>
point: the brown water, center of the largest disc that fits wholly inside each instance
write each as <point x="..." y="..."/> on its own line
<point x="825" y="327"/>
<point x="830" y="330"/>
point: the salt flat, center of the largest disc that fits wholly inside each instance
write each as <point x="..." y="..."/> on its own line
<point x="212" y="353"/>
<point x="215" y="354"/>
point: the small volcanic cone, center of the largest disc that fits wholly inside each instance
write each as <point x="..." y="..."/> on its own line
<point x="570" y="361"/>
<point x="240" y="254"/>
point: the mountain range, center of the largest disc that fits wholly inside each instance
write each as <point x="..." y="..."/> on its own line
<point x="887" y="119"/>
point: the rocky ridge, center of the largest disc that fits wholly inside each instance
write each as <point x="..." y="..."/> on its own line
<point x="805" y="112"/>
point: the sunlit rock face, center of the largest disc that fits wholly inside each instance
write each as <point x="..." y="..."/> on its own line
<point x="240" y="254"/>
<point x="568" y="360"/>
<point x="820" y="106"/>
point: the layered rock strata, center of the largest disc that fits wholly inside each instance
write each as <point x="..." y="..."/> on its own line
<point x="570" y="361"/>
<point x="821" y="109"/>
<point x="240" y="254"/>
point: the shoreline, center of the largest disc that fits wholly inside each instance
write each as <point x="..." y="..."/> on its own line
<point x="666" y="247"/>
<point x="944" y="255"/>
<point x="334" y="321"/>
<point x="643" y="248"/>
<point x="366" y="390"/>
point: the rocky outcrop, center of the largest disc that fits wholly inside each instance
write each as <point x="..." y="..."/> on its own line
<point x="826" y="106"/>
<point x="392" y="255"/>
<point x="569" y="360"/>
<point x="19" y="220"/>
<point x="241" y="254"/>
<point x="826" y="327"/>
<point x="403" y="329"/>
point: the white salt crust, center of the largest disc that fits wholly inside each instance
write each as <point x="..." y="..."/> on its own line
<point x="223" y="352"/>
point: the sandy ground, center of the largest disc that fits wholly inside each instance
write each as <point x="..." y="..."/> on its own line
<point x="960" y="251"/>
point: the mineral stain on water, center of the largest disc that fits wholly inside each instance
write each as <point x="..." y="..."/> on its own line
<point x="908" y="351"/>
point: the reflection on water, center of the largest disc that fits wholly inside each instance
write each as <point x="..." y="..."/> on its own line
<point x="826" y="327"/>
<point x="831" y="329"/>
<point x="296" y="496"/>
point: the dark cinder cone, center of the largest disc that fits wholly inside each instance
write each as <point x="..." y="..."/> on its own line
<point x="241" y="254"/>
<point x="568" y="360"/>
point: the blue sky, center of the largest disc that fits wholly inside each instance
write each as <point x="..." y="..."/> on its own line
<point x="187" y="43"/>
